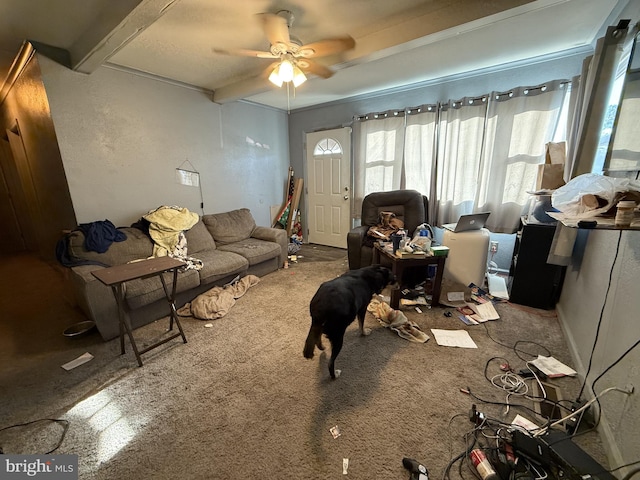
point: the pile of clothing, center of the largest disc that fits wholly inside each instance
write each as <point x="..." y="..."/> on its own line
<point x="167" y="225"/>
<point x="388" y="224"/>
<point x="216" y="302"/>
<point x="396" y="321"/>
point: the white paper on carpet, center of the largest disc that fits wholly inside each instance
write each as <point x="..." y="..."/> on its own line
<point x="453" y="338"/>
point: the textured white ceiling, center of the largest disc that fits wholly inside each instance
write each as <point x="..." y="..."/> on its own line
<point x="397" y="42"/>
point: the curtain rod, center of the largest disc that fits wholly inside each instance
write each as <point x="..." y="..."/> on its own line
<point x="397" y="113"/>
<point x="464" y="100"/>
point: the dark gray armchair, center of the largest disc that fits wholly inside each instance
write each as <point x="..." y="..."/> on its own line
<point x="410" y="206"/>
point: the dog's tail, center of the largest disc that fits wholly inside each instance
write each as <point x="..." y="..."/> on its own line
<point x="312" y="339"/>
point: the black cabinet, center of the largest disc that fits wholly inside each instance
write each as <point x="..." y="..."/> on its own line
<point x="532" y="281"/>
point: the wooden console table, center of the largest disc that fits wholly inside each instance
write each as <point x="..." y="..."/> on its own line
<point x="400" y="264"/>
<point x="115" y="277"/>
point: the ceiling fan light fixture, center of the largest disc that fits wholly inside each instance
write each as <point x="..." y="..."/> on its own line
<point x="286" y="70"/>
<point x="275" y="77"/>
<point x="298" y="76"/>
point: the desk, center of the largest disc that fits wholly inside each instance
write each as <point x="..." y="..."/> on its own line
<point x="115" y="277"/>
<point x="399" y="265"/>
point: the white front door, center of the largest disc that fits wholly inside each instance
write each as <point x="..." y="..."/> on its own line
<point x="329" y="186"/>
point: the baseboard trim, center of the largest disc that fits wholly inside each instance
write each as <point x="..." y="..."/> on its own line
<point x="608" y="440"/>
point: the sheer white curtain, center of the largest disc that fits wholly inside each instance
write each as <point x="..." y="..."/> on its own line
<point x="469" y="155"/>
<point x="519" y="124"/>
<point x="460" y="140"/>
<point x="420" y="151"/>
<point x="378" y="148"/>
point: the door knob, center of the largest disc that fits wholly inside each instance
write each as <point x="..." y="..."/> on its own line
<point x="346" y="197"/>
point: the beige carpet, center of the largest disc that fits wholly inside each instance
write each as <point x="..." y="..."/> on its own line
<point x="240" y="401"/>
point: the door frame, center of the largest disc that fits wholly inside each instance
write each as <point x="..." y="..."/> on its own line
<point x="344" y="137"/>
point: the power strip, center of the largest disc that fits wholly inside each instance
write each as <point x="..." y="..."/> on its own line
<point x="556" y="451"/>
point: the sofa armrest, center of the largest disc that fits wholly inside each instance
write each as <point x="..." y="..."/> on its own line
<point x="276" y="235"/>
<point x="95" y="298"/>
<point x="355" y="240"/>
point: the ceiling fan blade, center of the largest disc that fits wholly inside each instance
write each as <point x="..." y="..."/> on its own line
<point x="245" y="53"/>
<point x="327" y="47"/>
<point x="275" y="28"/>
<point x="267" y="71"/>
<point x="314" y="67"/>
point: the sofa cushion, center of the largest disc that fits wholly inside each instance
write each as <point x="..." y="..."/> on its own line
<point x="254" y="250"/>
<point x="230" y="226"/>
<point x="199" y="238"/>
<point x="136" y="246"/>
<point x="218" y="264"/>
<point x="141" y="292"/>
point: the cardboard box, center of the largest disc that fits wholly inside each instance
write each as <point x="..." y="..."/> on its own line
<point x="551" y="173"/>
<point x="440" y="251"/>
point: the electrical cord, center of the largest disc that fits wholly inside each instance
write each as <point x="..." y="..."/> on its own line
<point x="449" y="428"/>
<point x="616" y="362"/>
<point x="544" y="430"/>
<point x="514" y="347"/>
<point x="499" y="429"/>
<point x="623" y="466"/>
<point x="515" y="384"/>
<point x="452" y="462"/>
<point x="604" y="304"/>
<point x="64" y="423"/>
<point x="492" y="402"/>
<point x="593" y="385"/>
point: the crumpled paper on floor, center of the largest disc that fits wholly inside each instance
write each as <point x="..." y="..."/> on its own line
<point x="396" y="321"/>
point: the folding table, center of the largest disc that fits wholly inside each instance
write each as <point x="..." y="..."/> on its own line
<point x="115" y="277"/>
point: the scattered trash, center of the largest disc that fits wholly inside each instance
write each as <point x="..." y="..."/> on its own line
<point x="335" y="431"/>
<point x="82" y="359"/>
<point x="418" y="310"/>
<point x="294" y="246"/>
<point x="208" y="325"/>
<point x="345" y="465"/>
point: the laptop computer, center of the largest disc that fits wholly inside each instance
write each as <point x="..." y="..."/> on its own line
<point x="466" y="223"/>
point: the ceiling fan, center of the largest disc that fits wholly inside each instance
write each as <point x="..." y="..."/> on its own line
<point x="294" y="59"/>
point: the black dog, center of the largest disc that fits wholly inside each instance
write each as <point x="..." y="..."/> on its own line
<point x="337" y="303"/>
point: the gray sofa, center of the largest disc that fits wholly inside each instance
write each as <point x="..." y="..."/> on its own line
<point x="229" y="244"/>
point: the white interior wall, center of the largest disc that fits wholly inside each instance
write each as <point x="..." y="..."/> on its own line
<point x="122" y="136"/>
<point x="584" y="296"/>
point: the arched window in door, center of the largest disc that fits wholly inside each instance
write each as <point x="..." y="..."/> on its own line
<point x="327" y="146"/>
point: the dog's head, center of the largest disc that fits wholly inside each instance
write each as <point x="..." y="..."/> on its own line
<point x="381" y="277"/>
